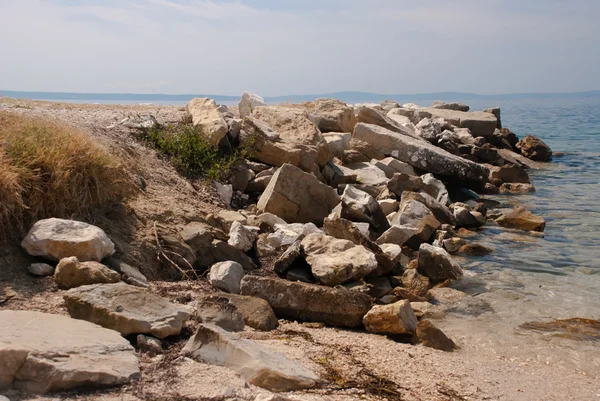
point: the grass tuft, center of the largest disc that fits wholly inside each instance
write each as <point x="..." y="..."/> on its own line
<point x="48" y="169"/>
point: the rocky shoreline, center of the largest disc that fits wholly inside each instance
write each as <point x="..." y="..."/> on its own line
<point x="358" y="212"/>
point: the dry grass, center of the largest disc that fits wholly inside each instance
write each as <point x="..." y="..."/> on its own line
<point x="51" y="170"/>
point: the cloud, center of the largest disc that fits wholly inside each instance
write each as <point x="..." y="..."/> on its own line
<point x="278" y="47"/>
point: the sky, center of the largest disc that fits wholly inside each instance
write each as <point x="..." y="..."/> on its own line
<point x="285" y="47"/>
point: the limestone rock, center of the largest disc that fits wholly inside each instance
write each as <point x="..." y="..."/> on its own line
<point x="332" y="115"/>
<point x="359" y="206"/>
<point x="249" y="103"/>
<point x="435" y="188"/>
<point x="432" y="337"/>
<point x="338" y="142"/>
<point x="226" y="276"/>
<point x="220" y="311"/>
<point x="126" y="309"/>
<point x="334" y="261"/>
<point x="522" y="219"/>
<point x="287" y="259"/>
<point x="421" y="154"/>
<point x="415" y="283"/>
<point x="55" y="239"/>
<point x="242" y="237"/>
<point x="474" y="249"/>
<point x="397" y="234"/>
<point x="40" y="352"/>
<point x="225" y="192"/>
<point x="452" y="245"/>
<point x="221" y="251"/>
<point x="464" y="218"/>
<point x="388" y="206"/>
<point x="438" y="104"/>
<point x="71" y="273"/>
<point x="369" y="115"/>
<point x="440" y="211"/>
<point x="149" y="344"/>
<point x="368" y="174"/>
<point x="256" y="311"/>
<point x="437" y="264"/>
<point x="309" y="302"/>
<point x="396" y="318"/>
<point x="257" y="364"/>
<point x="287" y="234"/>
<point x="296" y="196"/>
<point x="534" y="148"/>
<point x="391" y="166"/>
<point x="199" y="235"/>
<point x="40" y="269"/>
<point x="516" y="188"/>
<point x="480" y="123"/>
<point x="208" y="118"/>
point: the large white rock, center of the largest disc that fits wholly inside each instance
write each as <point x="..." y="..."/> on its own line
<point x="332" y="115"/>
<point x="55" y="239"/>
<point x="435" y="188"/>
<point x="480" y="123"/>
<point x="421" y="154"/>
<point x="206" y="115"/>
<point x="242" y="237"/>
<point x="126" y="309"/>
<point x="249" y="103"/>
<point x="297" y="197"/>
<point x="334" y="261"/>
<point x="226" y="276"/>
<point x="368" y="174"/>
<point x="257" y="364"/>
<point x="40" y="352"/>
<point x="359" y="206"/>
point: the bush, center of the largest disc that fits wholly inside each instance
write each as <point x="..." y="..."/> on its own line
<point x="190" y="153"/>
<point x="51" y="170"/>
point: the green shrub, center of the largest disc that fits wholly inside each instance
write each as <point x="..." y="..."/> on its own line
<point x="191" y="154"/>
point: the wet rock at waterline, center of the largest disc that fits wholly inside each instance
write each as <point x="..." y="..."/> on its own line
<point x="432" y="337"/>
<point x="437" y="264"/>
<point x="534" y="148"/>
<point x="396" y="318"/>
<point x="522" y="219"/>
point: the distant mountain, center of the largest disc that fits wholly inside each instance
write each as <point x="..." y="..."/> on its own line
<point x="350" y="97"/>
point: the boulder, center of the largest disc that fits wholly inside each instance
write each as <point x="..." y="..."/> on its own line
<point x="401" y="182"/>
<point x="440" y="211"/>
<point x="516" y="188"/>
<point x="368" y="174"/>
<point x="415" y="283"/>
<point x="453" y="245"/>
<point x="432" y="337"/>
<point x="220" y="311"/>
<point x="437" y="264"/>
<point x="149" y="344"/>
<point x="522" y="219"/>
<point x="256" y="311"/>
<point x="40" y="269"/>
<point x="338" y="142"/>
<point x="369" y="115"/>
<point x="332" y="115"/>
<point x="391" y="166"/>
<point x="396" y="318"/>
<point x="360" y="152"/>
<point x="388" y="105"/>
<point x="397" y="234"/>
<point x="359" y="206"/>
<point x="480" y="123"/>
<point x="296" y="196"/>
<point x="474" y="249"/>
<point x="224" y="191"/>
<point x="415" y="214"/>
<point x="126" y="309"/>
<point x="430" y="130"/>
<point x="257" y="364"/>
<point x="464" y="218"/>
<point x="294" y="126"/>
<point x="199" y="235"/>
<point x="249" y="103"/>
<point x="334" y="261"/>
<point x="496" y="112"/>
<point x="206" y="115"/>
<point x="388" y="206"/>
<point x="71" y="273"/>
<point x="435" y="188"/>
<point x="242" y="237"/>
<point x="509" y="173"/>
<point x="421" y="154"/>
<point x="221" y="251"/>
<point x="534" y="148"/>
<point x="40" y="353"/>
<point x="438" y="104"/>
<point x="287" y="234"/>
<point x="55" y="239"/>
<point x="309" y="302"/>
<point x="226" y="276"/>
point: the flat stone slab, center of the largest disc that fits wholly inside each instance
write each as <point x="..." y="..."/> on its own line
<point x="126" y="309"/>
<point x="41" y="352"/>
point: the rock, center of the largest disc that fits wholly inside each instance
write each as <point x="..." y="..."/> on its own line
<point x="55" y="239"/>
<point x="397" y="234"/>
<point x="220" y="311"/>
<point x="440" y="211"/>
<point x="394" y="252"/>
<point x="577" y="329"/>
<point x="300" y="273"/>
<point x="509" y="173"/>
<point x="522" y="219"/>
<point x="396" y="318"/>
<point x="388" y="206"/>
<point x="41" y="353"/>
<point x="432" y="337"/>
<point x="464" y="218"/>
<point x="126" y="309"/>
<point x="421" y="154"/>
<point x="256" y="311"/>
<point x="369" y="115"/>
<point x="294" y="126"/>
<point x="534" y="148"/>
<point x="334" y="261"/>
<point x="453" y="245"/>
<point x="332" y="115"/>
<point x="426" y="310"/>
<point x="249" y="103"/>
<point x="368" y="174"/>
<point x="221" y="251"/>
<point x="130" y="274"/>
<point x="149" y="344"/>
<point x="296" y="196"/>
<point x="415" y="283"/>
<point x="379" y="287"/>
<point x="242" y="237"/>
<point x="226" y="276"/>
<point x="257" y="364"/>
<point x="225" y="192"/>
<point x="437" y="264"/>
<point x="435" y="188"/>
<point x="516" y="188"/>
<point x="226" y="218"/>
<point x="430" y="130"/>
<point x="475" y="249"/>
<point x="268" y="221"/>
<point x="403" y="293"/>
<point x="71" y="273"/>
<point x="360" y="152"/>
<point x="208" y="118"/>
<point x="359" y="206"/>
<point x="415" y="214"/>
<point x="391" y="166"/>
<point x="480" y="123"/>
<point x="438" y="104"/>
<point x="338" y="142"/>
<point x="241" y="175"/>
<point x="199" y="235"/>
<point x="286" y="261"/>
<point x="388" y="105"/>
<point x="496" y="112"/>
<point x="309" y="302"/>
<point x="287" y="234"/>
<point x="40" y="269"/>
<point x="401" y="182"/>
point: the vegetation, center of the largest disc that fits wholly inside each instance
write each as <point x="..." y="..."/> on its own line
<point x="191" y="154"/>
<point x="51" y="170"/>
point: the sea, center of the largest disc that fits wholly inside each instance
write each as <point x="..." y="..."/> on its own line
<point x="528" y="278"/>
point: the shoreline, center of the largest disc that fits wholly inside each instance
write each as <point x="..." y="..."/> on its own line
<point x="484" y="373"/>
